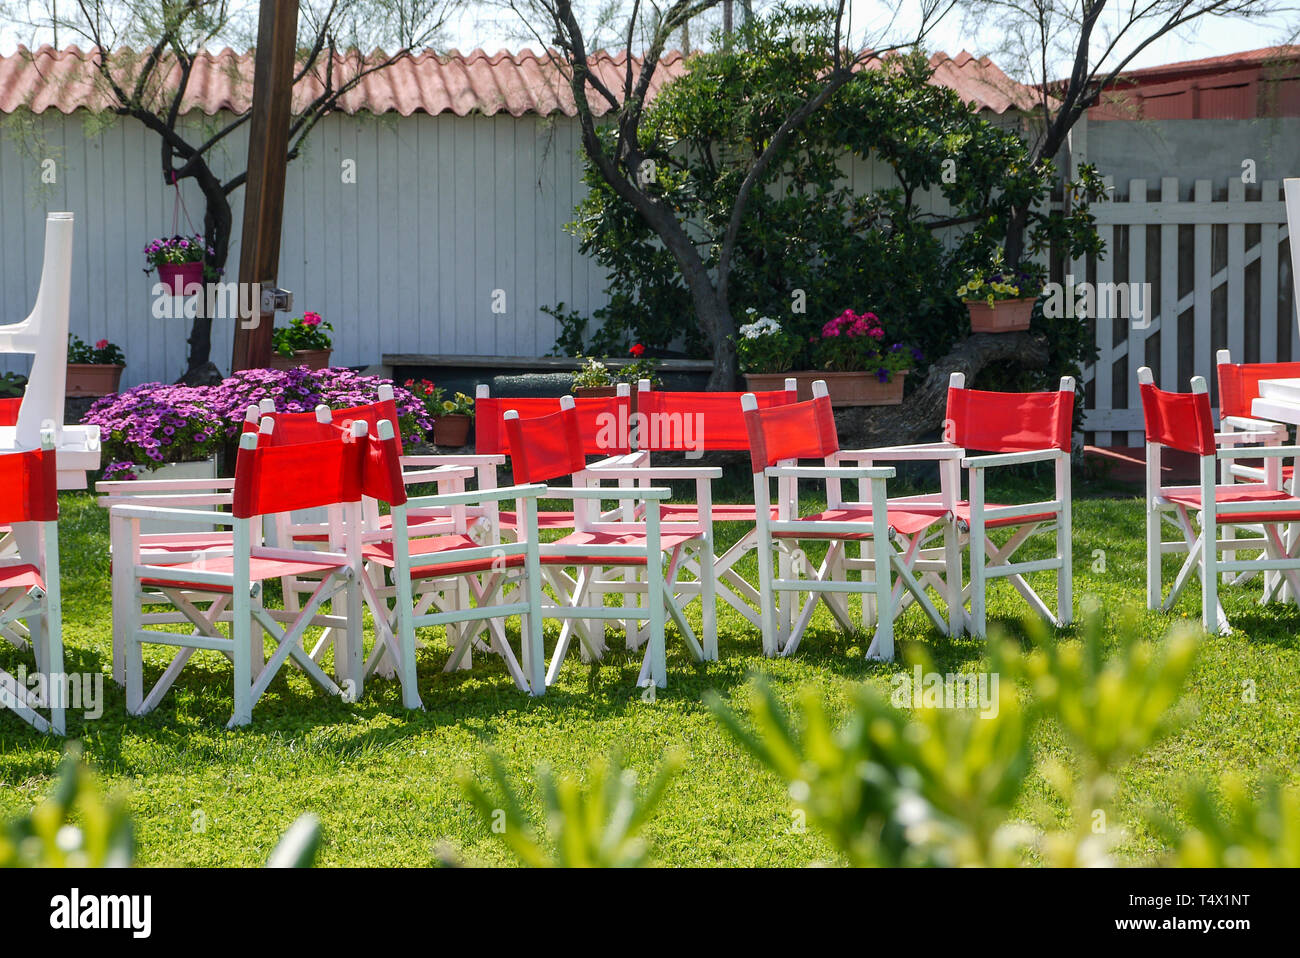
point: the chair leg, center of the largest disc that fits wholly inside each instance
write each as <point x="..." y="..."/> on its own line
<point x="708" y="601"/>
<point x="655" y="650"/>
<point x="952" y="579"/>
<point x="768" y="598"/>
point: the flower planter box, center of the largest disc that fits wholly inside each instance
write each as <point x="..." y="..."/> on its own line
<point x="181" y="277"/>
<point x="92" y="379"/>
<point x="1004" y="316"/>
<point x="202" y="469"/>
<point x="451" y="432"/>
<point x="311" y="358"/>
<point x="845" y="389"/>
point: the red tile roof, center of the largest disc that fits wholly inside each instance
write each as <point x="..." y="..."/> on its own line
<point x="515" y="83"/>
<point x="1229" y="61"/>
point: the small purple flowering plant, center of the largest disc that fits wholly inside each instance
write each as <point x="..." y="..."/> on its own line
<point x="153" y="424"/>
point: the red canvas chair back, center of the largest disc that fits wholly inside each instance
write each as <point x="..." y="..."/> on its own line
<point x="712" y="422"/>
<point x="1010" y="422"/>
<point x="296" y="427"/>
<point x="547" y="447"/>
<point x="381" y="467"/>
<point x="602" y="422"/>
<point x="1239" y="384"/>
<point x="270" y="479"/>
<point x="802" y="430"/>
<point x="9" y="411"/>
<point x="28" y="486"/>
<point x="1178" y="420"/>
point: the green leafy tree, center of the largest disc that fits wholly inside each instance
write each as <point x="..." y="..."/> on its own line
<point x="807" y="246"/>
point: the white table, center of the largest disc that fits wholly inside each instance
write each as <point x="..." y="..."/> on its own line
<point x="1279" y="401"/>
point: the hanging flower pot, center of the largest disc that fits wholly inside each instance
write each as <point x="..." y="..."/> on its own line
<point x="1004" y="316"/>
<point x="181" y="278"/>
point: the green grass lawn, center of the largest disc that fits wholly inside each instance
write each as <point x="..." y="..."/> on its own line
<point x="383" y="780"/>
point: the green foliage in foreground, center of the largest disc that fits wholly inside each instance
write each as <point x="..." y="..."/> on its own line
<point x="78" y="827"/>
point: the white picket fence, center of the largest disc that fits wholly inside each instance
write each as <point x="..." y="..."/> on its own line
<point x="1220" y="276"/>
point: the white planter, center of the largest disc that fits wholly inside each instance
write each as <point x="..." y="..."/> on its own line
<point x="202" y="469"/>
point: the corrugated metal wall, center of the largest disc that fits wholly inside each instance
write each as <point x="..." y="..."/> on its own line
<point x="443" y="212"/>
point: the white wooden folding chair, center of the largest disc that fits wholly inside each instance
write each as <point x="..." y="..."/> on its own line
<point x="1239" y="387"/>
<point x="1184" y="421"/>
<point x="1013" y="429"/>
<point x="778" y="438"/>
<point x="603" y="547"/>
<point x="30" y="598"/>
<point x="426" y="566"/>
<point x="692" y="424"/>
<point x="268" y="480"/>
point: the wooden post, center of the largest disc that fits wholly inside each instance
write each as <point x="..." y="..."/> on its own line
<point x="268" y="144"/>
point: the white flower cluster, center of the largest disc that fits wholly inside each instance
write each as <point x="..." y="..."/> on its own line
<point x="763" y="326"/>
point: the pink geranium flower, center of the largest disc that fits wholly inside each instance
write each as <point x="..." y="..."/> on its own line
<point x="311" y="319"/>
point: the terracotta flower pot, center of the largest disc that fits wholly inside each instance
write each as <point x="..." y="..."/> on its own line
<point x="311" y="358"/>
<point x="1004" y="316"/>
<point x="92" y="379"/>
<point x="844" y="389"/>
<point x="181" y="277"/>
<point x="451" y="431"/>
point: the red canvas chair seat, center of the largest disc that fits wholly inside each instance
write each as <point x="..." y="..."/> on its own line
<point x="718" y="512"/>
<point x="1285" y="507"/>
<point x="435" y="556"/>
<point x="259" y="569"/>
<point x="902" y="523"/>
<point x="21" y="577"/>
<point x="545" y="520"/>
<point x="668" y="542"/>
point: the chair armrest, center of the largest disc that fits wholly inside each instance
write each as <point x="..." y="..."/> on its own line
<point x="1259" y="452"/>
<point x="832" y="472"/>
<point x="139" y="486"/>
<point x="617" y="493"/>
<point x="659" y="472"/>
<point x="478" y="495"/>
<point x="918" y="452"/>
<point x="438" y="474"/>
<point x="167" y="502"/>
<point x="1241" y="438"/>
<point x="195" y="516"/>
<point x="468" y="459"/>
<point x="1011" y="458"/>
<point x="1250" y="424"/>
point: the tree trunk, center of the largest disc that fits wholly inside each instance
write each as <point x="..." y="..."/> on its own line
<point x="217" y="220"/>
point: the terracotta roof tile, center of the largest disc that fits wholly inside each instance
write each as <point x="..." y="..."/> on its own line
<point x="518" y="83"/>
